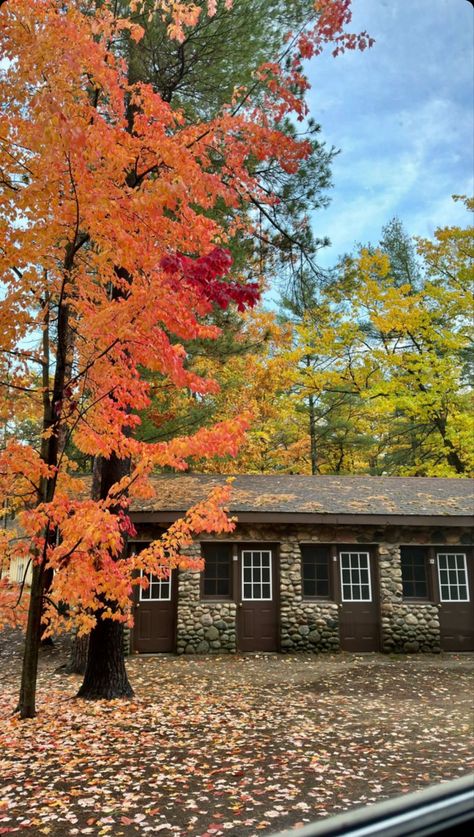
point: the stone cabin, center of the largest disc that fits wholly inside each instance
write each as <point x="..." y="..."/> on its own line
<point x="316" y="563"/>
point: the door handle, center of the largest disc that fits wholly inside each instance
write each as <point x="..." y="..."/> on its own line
<point x="240" y="604"/>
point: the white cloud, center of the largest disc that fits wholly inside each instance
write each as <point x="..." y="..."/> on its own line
<point x="402" y="116"/>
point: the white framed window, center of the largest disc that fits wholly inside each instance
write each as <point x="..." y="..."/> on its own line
<point x="355" y="576"/>
<point x="452" y="575"/>
<point x="158" y="590"/>
<point x="256" y="574"/>
<point x="20" y="571"/>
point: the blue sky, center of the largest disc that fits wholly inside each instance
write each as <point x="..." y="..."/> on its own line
<point x="402" y="115"/>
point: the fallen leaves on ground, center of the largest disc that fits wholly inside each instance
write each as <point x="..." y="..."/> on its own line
<point x="231" y="745"/>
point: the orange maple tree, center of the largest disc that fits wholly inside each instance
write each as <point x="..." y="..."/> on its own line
<point x="112" y="254"/>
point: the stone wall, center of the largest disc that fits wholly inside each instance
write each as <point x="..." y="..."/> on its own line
<point x="203" y="626"/>
<point x="305" y="625"/>
<point x="409" y="628"/>
<point x="406" y="626"/>
<point x="206" y="626"/>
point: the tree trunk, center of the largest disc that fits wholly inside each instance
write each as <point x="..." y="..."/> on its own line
<point x="452" y="456"/>
<point x="26" y="703"/>
<point x="77" y="659"/>
<point x="96" y="478"/>
<point x="48" y="577"/>
<point x="312" y="436"/>
<point x="106" y="675"/>
<point x="49" y="454"/>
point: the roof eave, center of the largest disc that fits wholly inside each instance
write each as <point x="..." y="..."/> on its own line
<point x="318" y="518"/>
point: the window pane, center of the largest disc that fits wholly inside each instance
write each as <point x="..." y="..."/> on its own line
<point x="414" y="573"/>
<point x="355" y="576"/>
<point x="315" y="570"/>
<point x="453" y="577"/>
<point x="256" y="574"/>
<point x="158" y="589"/>
<point x="217" y="570"/>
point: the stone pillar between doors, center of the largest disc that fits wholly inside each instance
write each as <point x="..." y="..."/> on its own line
<point x="305" y="625"/>
<point x="204" y="627"/>
<point x="406" y="626"/>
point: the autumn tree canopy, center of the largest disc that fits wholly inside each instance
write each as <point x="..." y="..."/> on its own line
<point x="393" y="342"/>
<point x="370" y="372"/>
<point x="112" y="256"/>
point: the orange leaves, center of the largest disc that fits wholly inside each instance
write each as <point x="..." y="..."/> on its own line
<point x="168" y="552"/>
<point x="13" y="608"/>
<point x="21" y="469"/>
<point x="286" y="88"/>
<point x="333" y="16"/>
<point x="86" y="569"/>
<point x="105" y="182"/>
<point x="87" y="553"/>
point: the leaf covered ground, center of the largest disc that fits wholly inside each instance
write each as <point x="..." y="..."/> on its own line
<point x="242" y="745"/>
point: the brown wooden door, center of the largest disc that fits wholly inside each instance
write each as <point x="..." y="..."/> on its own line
<point x="456" y="587"/>
<point x="258" y="606"/>
<point x="154" y="630"/>
<point x="358" y="609"/>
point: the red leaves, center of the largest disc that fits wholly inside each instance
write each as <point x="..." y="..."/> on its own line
<point x="203" y="274"/>
<point x="216" y="263"/>
<point x="126" y="525"/>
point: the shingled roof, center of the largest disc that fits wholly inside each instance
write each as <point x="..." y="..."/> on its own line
<point x="317" y="496"/>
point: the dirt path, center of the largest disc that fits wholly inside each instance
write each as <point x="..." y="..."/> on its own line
<point x="230" y="745"/>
